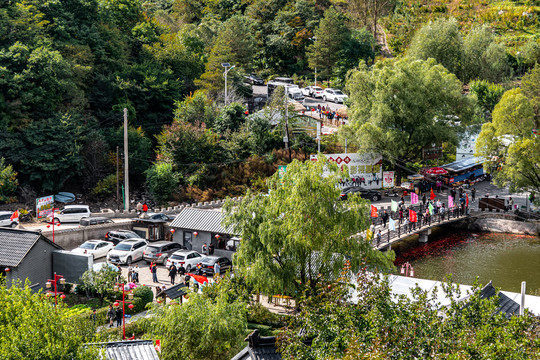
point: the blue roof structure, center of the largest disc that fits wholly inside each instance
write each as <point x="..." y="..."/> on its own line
<point x="464" y="164"/>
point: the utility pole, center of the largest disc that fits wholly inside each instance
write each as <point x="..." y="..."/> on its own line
<point x="315" y="76"/>
<point x="126" y="162"/>
<point x="286" y="137"/>
<point x="117" y="181"/>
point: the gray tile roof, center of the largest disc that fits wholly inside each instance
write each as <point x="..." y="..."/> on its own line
<point x="506" y="305"/>
<point x="16" y="243"/>
<point x="259" y="348"/>
<point x="200" y="220"/>
<point x="130" y="350"/>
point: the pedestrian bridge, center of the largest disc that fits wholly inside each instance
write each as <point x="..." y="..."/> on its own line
<point x="422" y="227"/>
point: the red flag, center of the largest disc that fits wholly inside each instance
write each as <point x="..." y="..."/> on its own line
<point x="158" y="345"/>
<point x="199" y="278"/>
<point x="374" y="212"/>
<point x="15" y="216"/>
<point x="432" y="195"/>
<point x="412" y="216"/>
<point x="467" y="199"/>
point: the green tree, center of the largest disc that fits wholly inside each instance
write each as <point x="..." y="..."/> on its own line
<point x="376" y="324"/>
<point x="530" y="53"/>
<point x="511" y="150"/>
<point x="300" y="234"/>
<point x="487" y="95"/>
<point x="330" y="37"/>
<point x="530" y="86"/>
<point x="195" y="109"/>
<point x="400" y="106"/>
<point x="442" y="41"/>
<point x="100" y="283"/>
<point x="33" y="328"/>
<point x="161" y="181"/>
<point x="204" y="328"/>
<point x="230" y="118"/>
<point x="8" y="181"/>
<point x="234" y="45"/>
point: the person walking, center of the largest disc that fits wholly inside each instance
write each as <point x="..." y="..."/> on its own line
<point x="139" y="208"/>
<point x="217" y="269"/>
<point x="385" y="218"/>
<point x="119" y="316"/>
<point x="510" y="204"/>
<point x="204" y="249"/>
<point x="145" y="208"/>
<point x="187" y="278"/>
<point x="379" y="237"/>
<point x="400" y="216"/>
<point x="111" y="315"/>
<point x="211" y="249"/>
<point x="424" y="199"/>
<point x="473" y="193"/>
<point x="130" y="273"/>
<point x="135" y="274"/>
<point x="172" y="273"/>
<point x="181" y="271"/>
<point x="153" y="270"/>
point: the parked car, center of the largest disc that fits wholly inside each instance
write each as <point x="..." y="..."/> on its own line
<point x="116" y="236"/>
<point x="127" y="251"/>
<point x="313" y="91"/>
<point x="295" y="92"/>
<point x="159" y="216"/>
<point x="334" y="95"/>
<point x="96" y="248"/>
<point x="160" y="251"/>
<point x="253" y="79"/>
<point x="206" y="265"/>
<point x="95" y="221"/>
<point x="188" y="258"/>
<point x="364" y="193"/>
<point x="5" y="219"/>
<point x="70" y="213"/>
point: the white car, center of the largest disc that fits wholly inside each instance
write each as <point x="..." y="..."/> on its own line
<point x="5" y="219"/>
<point x="295" y="92"/>
<point x="313" y="91"/>
<point x="96" y="248"/>
<point x="188" y="258"/>
<point x="334" y="95"/>
<point x="70" y="213"/>
<point x="127" y="251"/>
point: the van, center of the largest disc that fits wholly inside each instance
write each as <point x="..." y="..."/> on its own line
<point x="5" y="219"/>
<point x="70" y="213"/>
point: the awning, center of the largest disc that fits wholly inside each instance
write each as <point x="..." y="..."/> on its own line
<point x="436" y="171"/>
<point x="463" y="164"/>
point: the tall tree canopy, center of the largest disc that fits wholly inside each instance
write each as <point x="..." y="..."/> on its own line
<point x="398" y="107"/>
<point x="300" y="234"/>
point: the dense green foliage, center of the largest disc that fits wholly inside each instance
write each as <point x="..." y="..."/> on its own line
<point x="8" y="181"/>
<point x="379" y="325"/>
<point x="33" y="328"/>
<point x="508" y="143"/>
<point x="300" y="234"/>
<point x="209" y="326"/>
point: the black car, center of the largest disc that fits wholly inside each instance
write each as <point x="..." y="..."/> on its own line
<point x="87" y="221"/>
<point x="364" y="193"/>
<point x="206" y="266"/>
<point x="253" y="79"/>
<point x="159" y="216"/>
<point x="120" y="235"/>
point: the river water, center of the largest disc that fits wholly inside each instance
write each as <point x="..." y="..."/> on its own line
<point x="506" y="259"/>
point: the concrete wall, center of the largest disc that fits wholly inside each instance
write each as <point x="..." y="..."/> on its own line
<point x="37" y="264"/>
<point x="71" y="265"/>
<point x="69" y="239"/>
<point x="197" y="242"/>
<point x="498" y="223"/>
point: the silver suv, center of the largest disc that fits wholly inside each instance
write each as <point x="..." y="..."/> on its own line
<point x="127" y="251"/>
<point x="70" y="213"/>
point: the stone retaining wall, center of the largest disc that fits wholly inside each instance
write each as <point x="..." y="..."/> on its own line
<point x="498" y="224"/>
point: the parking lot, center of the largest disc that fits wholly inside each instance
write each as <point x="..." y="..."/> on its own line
<point x="308" y="101"/>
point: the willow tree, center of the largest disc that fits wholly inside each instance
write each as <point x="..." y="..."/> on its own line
<point x="300" y="234"/>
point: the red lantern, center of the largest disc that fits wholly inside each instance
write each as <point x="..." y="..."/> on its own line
<point x="159" y="301"/>
<point x="246" y="112"/>
<point x="195" y="233"/>
<point x="218" y="236"/>
<point x="7" y="269"/>
<point x="62" y="296"/>
<point x="116" y="304"/>
<point x="172" y="231"/>
<point x="48" y="294"/>
<point x="48" y="226"/>
<point x="130" y="306"/>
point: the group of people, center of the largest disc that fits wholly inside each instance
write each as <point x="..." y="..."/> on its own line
<point x="142" y="208"/>
<point x="114" y="314"/>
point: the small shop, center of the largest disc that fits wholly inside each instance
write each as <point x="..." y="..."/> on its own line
<point x="195" y="227"/>
<point x="152" y="229"/>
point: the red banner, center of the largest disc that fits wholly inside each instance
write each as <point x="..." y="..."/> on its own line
<point x="432" y="195"/>
<point x="412" y="216"/>
<point x="374" y="212"/>
<point x="467" y="199"/>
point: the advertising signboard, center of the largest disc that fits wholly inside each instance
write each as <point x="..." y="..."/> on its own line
<point x="44" y="206"/>
<point x="388" y="179"/>
<point x="365" y="168"/>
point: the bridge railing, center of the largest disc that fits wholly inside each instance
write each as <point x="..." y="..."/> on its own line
<point x="424" y="222"/>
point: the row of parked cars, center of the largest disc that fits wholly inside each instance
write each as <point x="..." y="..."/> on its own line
<point x="126" y="247"/>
